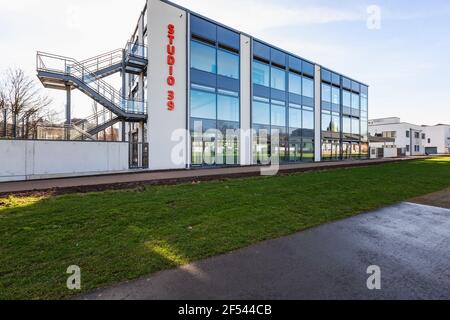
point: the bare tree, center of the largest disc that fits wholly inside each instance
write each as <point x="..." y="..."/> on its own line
<point x="3" y="111"/>
<point x="27" y="107"/>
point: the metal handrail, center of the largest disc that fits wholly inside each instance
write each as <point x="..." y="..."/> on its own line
<point x="77" y="70"/>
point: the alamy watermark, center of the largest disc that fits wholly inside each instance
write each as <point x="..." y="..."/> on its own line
<point x="74" y="280"/>
<point x="374" y="280"/>
<point x="374" y="17"/>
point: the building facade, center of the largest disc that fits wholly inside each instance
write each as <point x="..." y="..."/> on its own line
<point x="412" y="139"/>
<point x="196" y="93"/>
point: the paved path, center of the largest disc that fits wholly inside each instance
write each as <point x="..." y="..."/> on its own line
<point x="102" y="182"/>
<point x="409" y="242"/>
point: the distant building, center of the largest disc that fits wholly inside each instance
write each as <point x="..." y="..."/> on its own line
<point x="412" y="139"/>
<point x="437" y="139"/>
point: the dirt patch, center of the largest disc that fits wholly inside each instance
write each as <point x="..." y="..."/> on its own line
<point x="437" y="199"/>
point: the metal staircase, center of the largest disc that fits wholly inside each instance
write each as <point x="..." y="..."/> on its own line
<point x="89" y="127"/>
<point x="64" y="73"/>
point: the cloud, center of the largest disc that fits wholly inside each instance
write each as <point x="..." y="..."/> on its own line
<point x="256" y="16"/>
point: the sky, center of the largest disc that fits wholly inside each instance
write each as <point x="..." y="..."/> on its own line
<point x="400" y="48"/>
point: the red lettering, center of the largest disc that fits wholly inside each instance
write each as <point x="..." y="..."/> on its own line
<point x="170" y="60"/>
<point x="171" y="63"/>
<point x="170" y="50"/>
<point x="171" y="81"/>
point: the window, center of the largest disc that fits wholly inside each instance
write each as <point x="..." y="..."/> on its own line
<point x="407" y="148"/>
<point x="295" y="84"/>
<point x="261" y="112"/>
<point x="416" y="135"/>
<point x="407" y="134"/>
<point x="326" y="122"/>
<point x="261" y="74"/>
<point x="346" y="99"/>
<point x="355" y="126"/>
<point x="203" y="104"/>
<point x="355" y="101"/>
<point x="203" y="57"/>
<point x="364" y="103"/>
<point x="308" y="119"/>
<point x="227" y="108"/>
<point x="423" y="136"/>
<point x="308" y="88"/>
<point x="336" y="95"/>
<point x="278" y="79"/>
<point x="429" y="140"/>
<point x="335" y="123"/>
<point x="295" y="118"/>
<point x="278" y="115"/>
<point x="228" y="64"/>
<point x="326" y="93"/>
<point x="347" y="125"/>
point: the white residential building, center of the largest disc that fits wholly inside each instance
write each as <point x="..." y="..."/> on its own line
<point x="413" y="139"/>
<point x="437" y="139"/>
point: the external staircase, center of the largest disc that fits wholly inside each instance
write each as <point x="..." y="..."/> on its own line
<point x="64" y="73"/>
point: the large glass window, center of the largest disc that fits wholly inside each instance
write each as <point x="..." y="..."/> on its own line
<point x="336" y="95"/>
<point x="335" y="123"/>
<point x="308" y="119"/>
<point x="228" y="64"/>
<point x="326" y="121"/>
<point x="346" y="98"/>
<point x="355" y="101"/>
<point x="261" y="74"/>
<point x="347" y="125"/>
<point x="364" y="103"/>
<point x="295" y="84"/>
<point x="203" y="57"/>
<point x="278" y="115"/>
<point x="203" y="104"/>
<point x="295" y="118"/>
<point x="355" y="126"/>
<point x="326" y="92"/>
<point x="227" y="108"/>
<point x="308" y="88"/>
<point x="261" y="112"/>
<point x="278" y="79"/>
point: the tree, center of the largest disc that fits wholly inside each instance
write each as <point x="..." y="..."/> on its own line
<point x="3" y="111"/>
<point x="25" y="103"/>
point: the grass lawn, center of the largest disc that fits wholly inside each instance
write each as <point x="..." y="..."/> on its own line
<point x="120" y="235"/>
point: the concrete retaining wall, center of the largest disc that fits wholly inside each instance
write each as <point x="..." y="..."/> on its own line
<point x="28" y="160"/>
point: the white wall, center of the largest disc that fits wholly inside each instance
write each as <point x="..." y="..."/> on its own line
<point x="25" y="160"/>
<point x="317" y="115"/>
<point x="439" y="137"/>
<point x="246" y="67"/>
<point x="162" y="123"/>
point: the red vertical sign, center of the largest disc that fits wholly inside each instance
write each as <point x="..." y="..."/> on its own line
<point x="171" y="64"/>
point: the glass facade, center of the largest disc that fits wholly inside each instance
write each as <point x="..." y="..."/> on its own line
<point x="283" y="100"/>
<point x="215" y="94"/>
<point x="344" y="120"/>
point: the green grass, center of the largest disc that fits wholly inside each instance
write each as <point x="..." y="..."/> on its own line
<point x="120" y="235"/>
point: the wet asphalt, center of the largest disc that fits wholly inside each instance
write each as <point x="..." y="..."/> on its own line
<point x="409" y="242"/>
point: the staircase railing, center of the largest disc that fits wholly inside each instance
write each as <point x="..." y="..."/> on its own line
<point x="103" y="61"/>
<point x="70" y="67"/>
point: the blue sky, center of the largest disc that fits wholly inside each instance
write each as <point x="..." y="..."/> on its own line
<point x="406" y="62"/>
